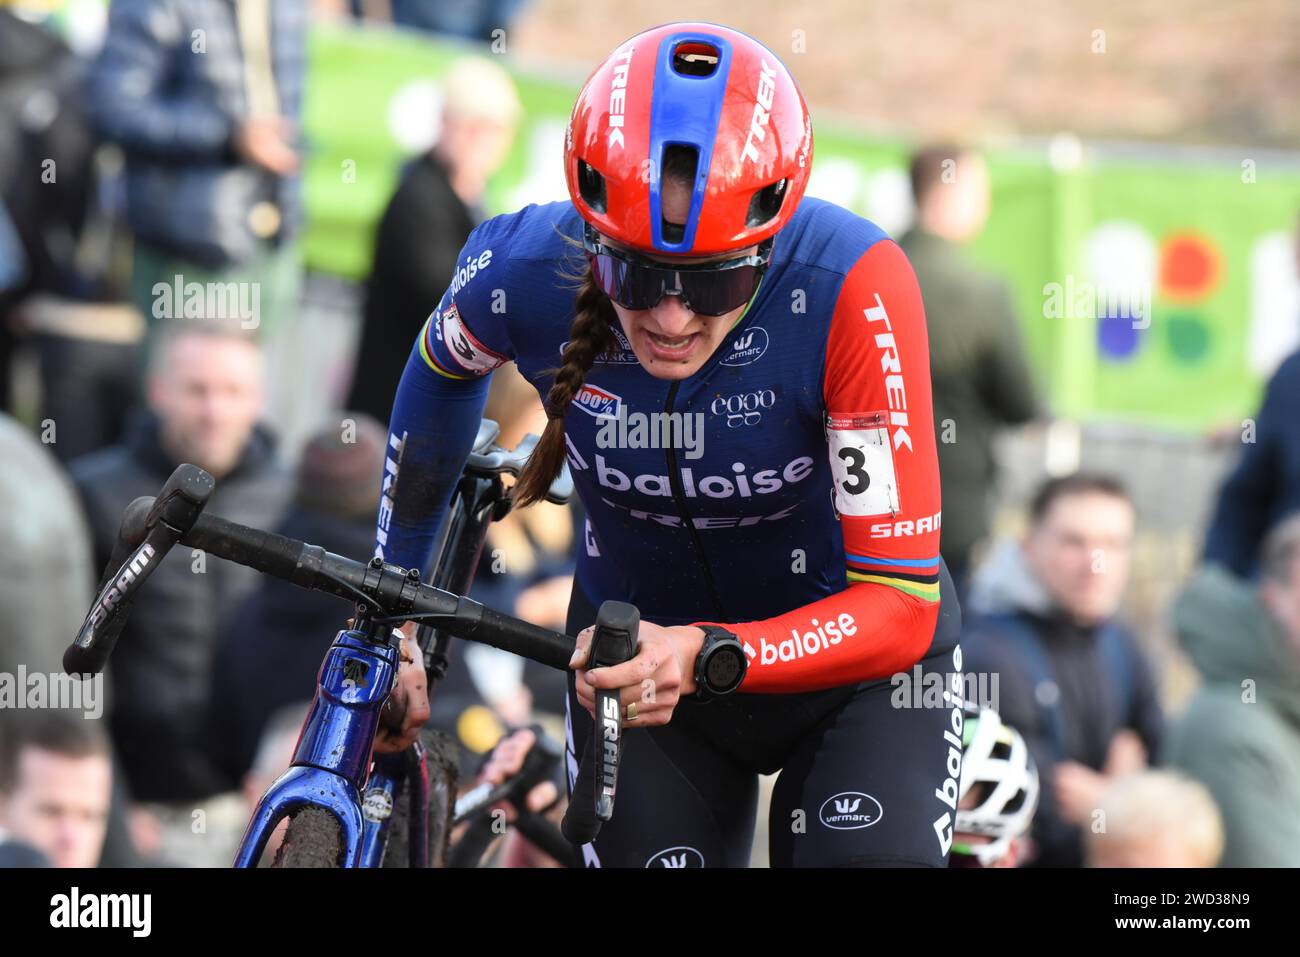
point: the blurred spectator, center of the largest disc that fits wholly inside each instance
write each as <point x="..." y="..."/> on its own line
<point x="59" y="194"/>
<point x="437" y="204"/>
<point x="204" y="401"/>
<point x="205" y="100"/>
<point x="45" y="555"/>
<point x="1155" y="819"/>
<point x="1265" y="485"/>
<point x="507" y="759"/>
<point x="1241" y="734"/>
<point x="46" y="580"/>
<point x="468" y="19"/>
<point x="1071" y="678"/>
<point x="20" y="854"/>
<point x="27" y="53"/>
<point x="55" y="784"/>
<point x="980" y="374"/>
<point x="271" y="647"/>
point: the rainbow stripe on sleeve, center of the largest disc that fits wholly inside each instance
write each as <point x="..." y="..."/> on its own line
<point x="426" y="351"/>
<point x="915" y="576"/>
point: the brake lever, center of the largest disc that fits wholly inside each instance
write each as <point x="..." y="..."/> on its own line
<point x="591" y="802"/>
<point x="143" y="541"/>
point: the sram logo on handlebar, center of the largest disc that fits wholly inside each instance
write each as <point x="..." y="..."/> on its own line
<point x="131" y="573"/>
<point x="610" y="728"/>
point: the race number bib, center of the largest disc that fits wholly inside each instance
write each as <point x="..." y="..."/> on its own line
<point x="472" y="355"/>
<point x="862" y="464"/>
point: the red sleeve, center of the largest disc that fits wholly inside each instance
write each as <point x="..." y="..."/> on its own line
<point x="880" y="438"/>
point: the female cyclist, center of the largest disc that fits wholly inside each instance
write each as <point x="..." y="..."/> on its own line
<point x="741" y="387"/>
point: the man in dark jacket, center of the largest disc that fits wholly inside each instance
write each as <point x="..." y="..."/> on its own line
<point x="427" y="222"/>
<point x="1240" y="735"/>
<point x="271" y="648"/>
<point x="1071" y="679"/>
<point x="1264" y="487"/>
<point x="980" y="375"/>
<point x="72" y="300"/>
<point x="204" y="96"/>
<point x="205" y="398"/>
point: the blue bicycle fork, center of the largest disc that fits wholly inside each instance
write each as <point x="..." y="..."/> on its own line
<point x="332" y="759"/>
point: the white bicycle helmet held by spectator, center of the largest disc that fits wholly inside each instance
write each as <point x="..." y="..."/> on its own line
<point x="998" y="792"/>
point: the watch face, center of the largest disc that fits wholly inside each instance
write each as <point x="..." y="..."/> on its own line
<point x="723" y="668"/>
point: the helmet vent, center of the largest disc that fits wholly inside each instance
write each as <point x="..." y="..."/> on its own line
<point x="695" y="58"/>
<point x="681" y="163"/>
<point x="766" y="203"/>
<point x="591" y="186"/>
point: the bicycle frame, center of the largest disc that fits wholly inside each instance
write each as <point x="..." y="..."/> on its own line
<point x="333" y="757"/>
<point x="332" y="761"/>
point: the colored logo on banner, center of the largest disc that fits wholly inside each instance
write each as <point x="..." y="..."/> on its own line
<point x="1185" y="270"/>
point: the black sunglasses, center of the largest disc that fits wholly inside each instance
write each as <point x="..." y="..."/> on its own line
<point x="709" y="289"/>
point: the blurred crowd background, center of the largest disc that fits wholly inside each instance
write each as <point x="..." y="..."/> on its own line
<point x="222" y="225"/>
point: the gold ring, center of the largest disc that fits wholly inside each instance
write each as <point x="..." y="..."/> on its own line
<point x="631" y="711"/>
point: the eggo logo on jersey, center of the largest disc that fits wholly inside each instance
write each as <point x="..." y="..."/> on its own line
<point x="743" y="409"/>
<point x="471" y="268"/>
<point x="598" y="402"/>
<point x="762" y="110"/>
<point x="618" y="97"/>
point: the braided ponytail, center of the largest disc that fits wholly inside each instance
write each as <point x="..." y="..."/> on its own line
<point x="590" y="336"/>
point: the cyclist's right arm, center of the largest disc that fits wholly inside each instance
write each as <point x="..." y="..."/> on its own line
<point x="438" y="407"/>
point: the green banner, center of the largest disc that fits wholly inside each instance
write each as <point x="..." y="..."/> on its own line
<point x="1159" y="290"/>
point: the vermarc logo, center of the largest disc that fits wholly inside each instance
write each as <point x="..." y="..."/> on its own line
<point x="850" y="810"/>
<point x="677" y="857"/>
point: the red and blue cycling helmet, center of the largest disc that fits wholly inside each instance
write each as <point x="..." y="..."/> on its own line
<point x="721" y="95"/>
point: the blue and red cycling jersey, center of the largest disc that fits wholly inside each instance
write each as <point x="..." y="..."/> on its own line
<point x="799" y="502"/>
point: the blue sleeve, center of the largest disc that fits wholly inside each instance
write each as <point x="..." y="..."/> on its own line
<point x="439" y="403"/>
<point x="430" y="435"/>
<point x="128" y="95"/>
<point x="1247" y="499"/>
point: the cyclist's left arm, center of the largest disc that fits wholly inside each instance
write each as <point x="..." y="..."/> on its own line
<point x="881" y="442"/>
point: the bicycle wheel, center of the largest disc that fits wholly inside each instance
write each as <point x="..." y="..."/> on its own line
<point x="442" y="759"/>
<point x="312" y="839"/>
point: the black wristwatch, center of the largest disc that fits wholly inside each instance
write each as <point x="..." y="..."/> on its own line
<point x="720" y="668"/>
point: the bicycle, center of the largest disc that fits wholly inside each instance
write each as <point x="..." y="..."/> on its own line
<point x="338" y="800"/>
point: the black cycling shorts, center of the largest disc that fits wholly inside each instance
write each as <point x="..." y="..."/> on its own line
<point x="868" y="773"/>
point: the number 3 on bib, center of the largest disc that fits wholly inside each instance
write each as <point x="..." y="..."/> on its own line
<point x="862" y="464"/>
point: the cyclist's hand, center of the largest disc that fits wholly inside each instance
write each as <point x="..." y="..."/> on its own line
<point x="654" y="680"/>
<point x="407" y="708"/>
<point x="506" y="759"/>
